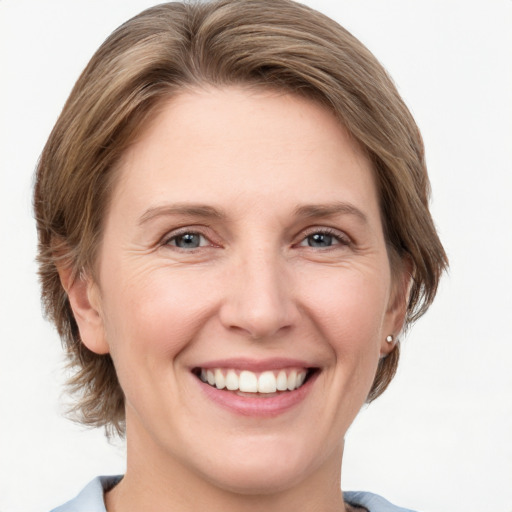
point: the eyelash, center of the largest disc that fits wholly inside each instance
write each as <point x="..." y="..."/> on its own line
<point x="340" y="237"/>
<point x="186" y="231"/>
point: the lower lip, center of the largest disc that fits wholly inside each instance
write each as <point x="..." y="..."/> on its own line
<point x="258" y="406"/>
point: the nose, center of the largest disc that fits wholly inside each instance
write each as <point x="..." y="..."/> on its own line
<point x="259" y="299"/>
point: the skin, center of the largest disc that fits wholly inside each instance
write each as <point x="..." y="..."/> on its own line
<point x="253" y="288"/>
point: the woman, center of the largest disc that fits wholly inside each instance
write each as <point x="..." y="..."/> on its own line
<point x="234" y="231"/>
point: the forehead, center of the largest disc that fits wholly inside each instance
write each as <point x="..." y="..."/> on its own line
<point x="231" y="145"/>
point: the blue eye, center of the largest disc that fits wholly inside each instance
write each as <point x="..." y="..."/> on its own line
<point x="324" y="239"/>
<point x="187" y="240"/>
<point x="320" y="240"/>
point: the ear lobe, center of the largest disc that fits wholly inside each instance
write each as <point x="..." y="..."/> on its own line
<point x="83" y="296"/>
<point x="397" y="309"/>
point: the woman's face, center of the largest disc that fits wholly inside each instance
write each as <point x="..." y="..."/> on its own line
<point x="243" y="246"/>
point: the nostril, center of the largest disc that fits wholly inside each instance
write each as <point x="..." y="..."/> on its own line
<point x="258" y="305"/>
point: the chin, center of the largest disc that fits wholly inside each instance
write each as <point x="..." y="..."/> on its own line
<point x="263" y="470"/>
<point x="255" y="479"/>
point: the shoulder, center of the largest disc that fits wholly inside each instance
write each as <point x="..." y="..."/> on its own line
<point x="371" y="502"/>
<point x="90" y="498"/>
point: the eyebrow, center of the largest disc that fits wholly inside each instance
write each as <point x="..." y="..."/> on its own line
<point x="204" y="211"/>
<point x="330" y="210"/>
<point x="188" y="210"/>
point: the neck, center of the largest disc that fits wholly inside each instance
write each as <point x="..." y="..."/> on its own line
<point x="130" y="496"/>
<point x="160" y="482"/>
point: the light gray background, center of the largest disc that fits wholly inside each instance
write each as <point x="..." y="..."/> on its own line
<point x="441" y="437"/>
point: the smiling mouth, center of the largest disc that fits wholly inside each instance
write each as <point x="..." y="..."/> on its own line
<point x="263" y="384"/>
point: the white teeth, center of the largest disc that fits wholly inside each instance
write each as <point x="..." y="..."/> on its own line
<point x="220" y="381"/>
<point x="267" y="383"/>
<point x="232" y="380"/>
<point x="292" y="380"/>
<point x="249" y="382"/>
<point x="282" y="381"/>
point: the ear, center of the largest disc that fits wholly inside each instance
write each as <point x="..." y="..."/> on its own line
<point x="397" y="308"/>
<point x="84" y="298"/>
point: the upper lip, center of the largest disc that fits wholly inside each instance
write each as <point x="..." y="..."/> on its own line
<point x="256" y="365"/>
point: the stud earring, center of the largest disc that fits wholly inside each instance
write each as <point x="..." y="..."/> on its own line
<point x="390" y="338"/>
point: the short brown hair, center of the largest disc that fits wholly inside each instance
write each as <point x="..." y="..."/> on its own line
<point x="263" y="43"/>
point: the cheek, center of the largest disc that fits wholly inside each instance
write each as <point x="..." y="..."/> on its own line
<point x="157" y="314"/>
<point x="349" y="307"/>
